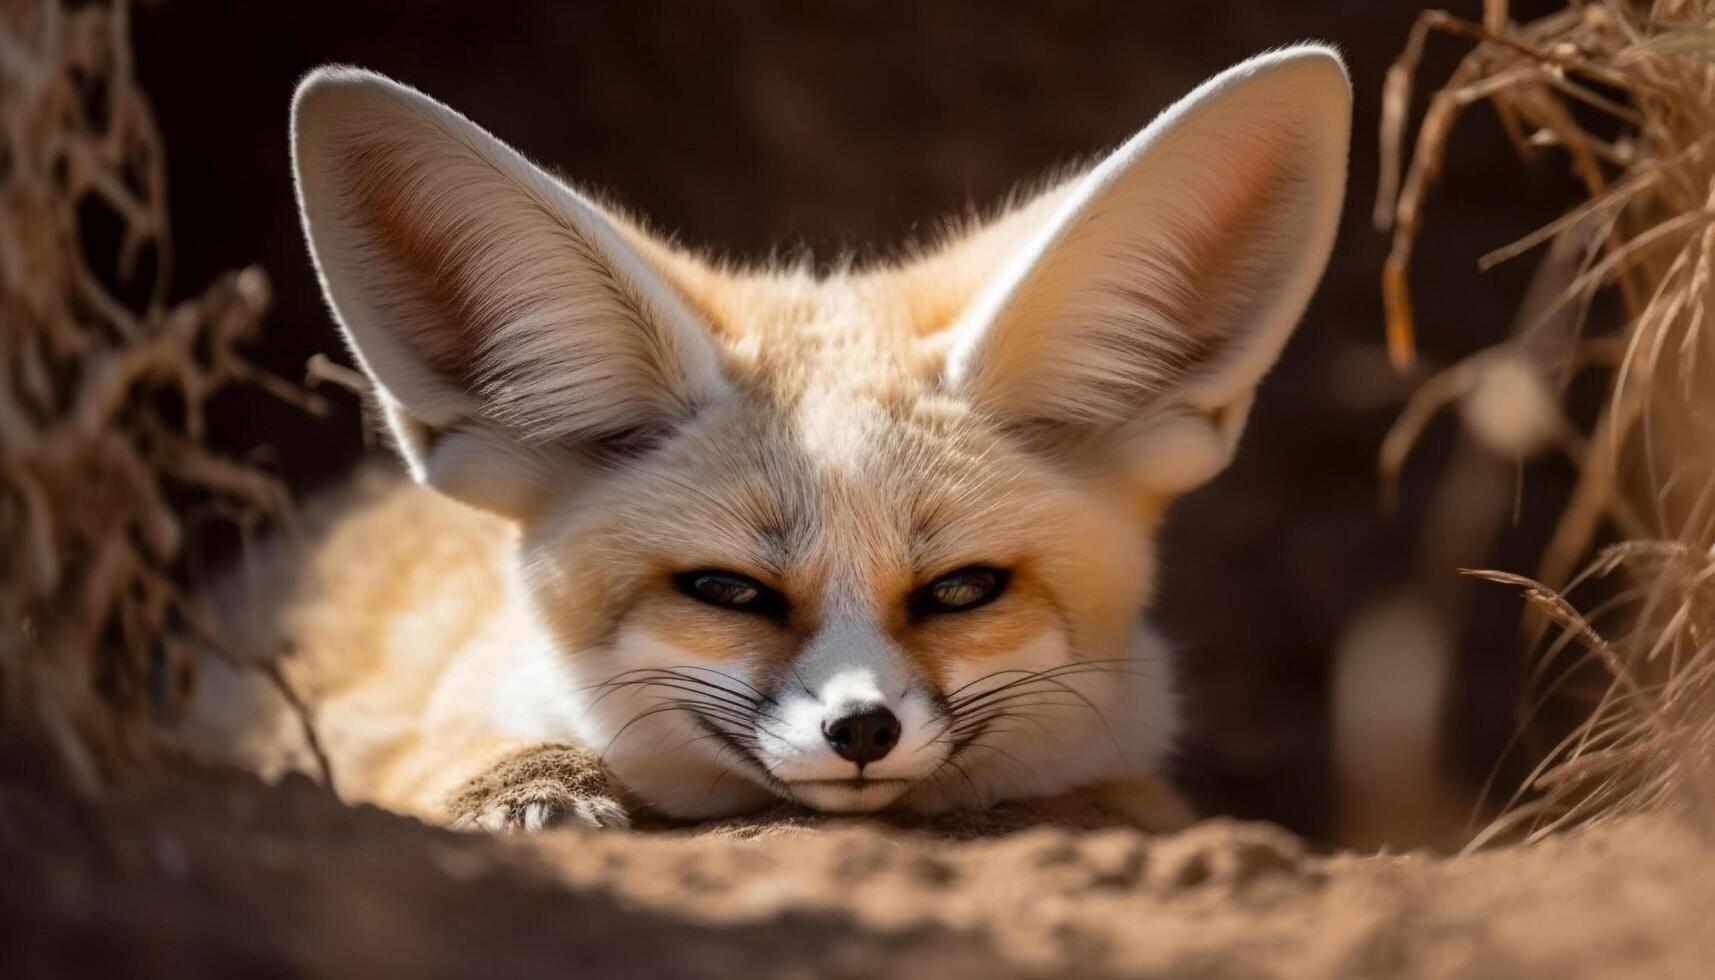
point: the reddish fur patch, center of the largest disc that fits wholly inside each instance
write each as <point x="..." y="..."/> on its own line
<point x="383" y="191"/>
<point x="704" y="632"/>
<point x="1022" y="614"/>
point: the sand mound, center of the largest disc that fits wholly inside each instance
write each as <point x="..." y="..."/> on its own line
<point x="200" y="875"/>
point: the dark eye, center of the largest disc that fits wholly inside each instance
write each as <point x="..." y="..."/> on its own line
<point x="730" y="590"/>
<point x="967" y="588"/>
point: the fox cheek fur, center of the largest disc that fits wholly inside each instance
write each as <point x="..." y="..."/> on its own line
<point x="863" y="539"/>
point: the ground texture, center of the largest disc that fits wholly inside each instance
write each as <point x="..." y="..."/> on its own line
<point x="189" y="874"/>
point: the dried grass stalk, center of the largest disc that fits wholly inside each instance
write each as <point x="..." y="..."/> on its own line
<point x="102" y="407"/>
<point x="1626" y="89"/>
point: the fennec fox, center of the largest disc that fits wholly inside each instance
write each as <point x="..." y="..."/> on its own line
<point x="859" y="540"/>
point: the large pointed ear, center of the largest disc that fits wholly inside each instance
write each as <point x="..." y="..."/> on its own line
<point x="506" y="321"/>
<point x="1145" y="310"/>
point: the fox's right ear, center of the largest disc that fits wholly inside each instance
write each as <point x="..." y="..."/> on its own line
<point x="509" y="326"/>
<point x="1143" y="313"/>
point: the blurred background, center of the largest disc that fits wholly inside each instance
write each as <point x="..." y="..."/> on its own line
<point x="846" y="127"/>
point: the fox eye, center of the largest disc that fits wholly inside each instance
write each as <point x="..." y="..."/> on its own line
<point x="958" y="591"/>
<point x="730" y="590"/>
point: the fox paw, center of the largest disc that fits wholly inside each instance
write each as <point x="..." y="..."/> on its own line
<point x="540" y="788"/>
<point x="548" y="810"/>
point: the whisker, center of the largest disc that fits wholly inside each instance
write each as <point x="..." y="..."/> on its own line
<point x="613" y="687"/>
<point x="760" y="694"/>
<point x="1100" y="716"/>
<point x="674" y="672"/>
<point x="667" y="678"/>
<point x="976" y="795"/>
<point x="733" y="717"/>
<point x="723" y="775"/>
<point x="927" y="781"/>
<point x="650" y="713"/>
<point x="1024" y="680"/>
<point x="695" y="698"/>
<point x="1061" y="670"/>
<point x="984" y="719"/>
<point x="756" y="697"/>
<point x="965" y="729"/>
<point x="990" y="746"/>
<point x="947" y="723"/>
<point x="807" y="692"/>
<point x="747" y="756"/>
<point x="729" y="700"/>
<point x="1013" y="698"/>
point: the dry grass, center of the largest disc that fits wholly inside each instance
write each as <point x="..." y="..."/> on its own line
<point x="1624" y="91"/>
<point x="102" y="407"/>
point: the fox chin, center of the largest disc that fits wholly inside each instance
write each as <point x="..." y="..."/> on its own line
<point x="695" y="537"/>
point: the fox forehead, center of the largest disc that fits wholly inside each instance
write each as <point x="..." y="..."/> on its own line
<point x="787" y="334"/>
<point x="840" y="487"/>
<point x="843" y="427"/>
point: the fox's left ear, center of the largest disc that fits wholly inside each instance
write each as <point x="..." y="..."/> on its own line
<point x="513" y="328"/>
<point x="1142" y="316"/>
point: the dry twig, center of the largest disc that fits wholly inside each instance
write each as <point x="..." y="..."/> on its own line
<point x="102" y="410"/>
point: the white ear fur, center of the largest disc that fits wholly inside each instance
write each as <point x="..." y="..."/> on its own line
<point x="503" y="315"/>
<point x="1151" y="304"/>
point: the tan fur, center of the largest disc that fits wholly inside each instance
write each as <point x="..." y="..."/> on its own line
<point x="1027" y="396"/>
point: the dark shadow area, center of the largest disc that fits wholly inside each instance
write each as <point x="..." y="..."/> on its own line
<point x="193" y="876"/>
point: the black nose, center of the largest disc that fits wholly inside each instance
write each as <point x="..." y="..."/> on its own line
<point x="863" y="736"/>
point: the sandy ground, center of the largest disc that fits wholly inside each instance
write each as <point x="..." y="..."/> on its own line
<point x="190" y="874"/>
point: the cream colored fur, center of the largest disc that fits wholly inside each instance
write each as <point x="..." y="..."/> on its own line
<point x="1027" y="396"/>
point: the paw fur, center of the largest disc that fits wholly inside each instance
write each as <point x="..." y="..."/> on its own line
<point x="540" y="788"/>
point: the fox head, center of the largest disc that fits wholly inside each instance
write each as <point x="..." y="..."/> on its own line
<point x="860" y="539"/>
